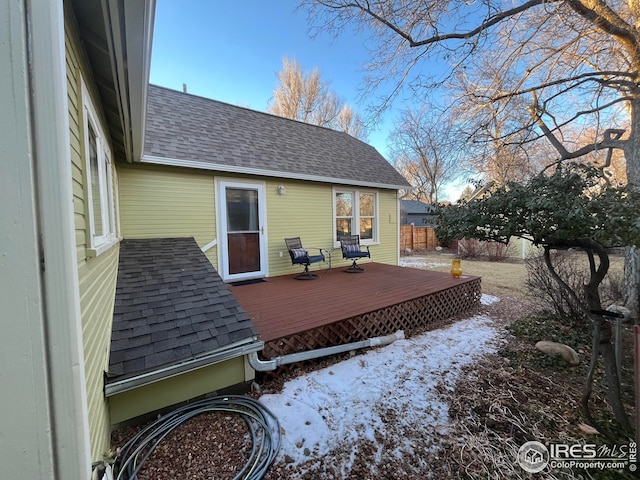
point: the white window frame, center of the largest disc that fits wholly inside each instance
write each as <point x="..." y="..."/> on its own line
<point x="98" y="243"/>
<point x="355" y="226"/>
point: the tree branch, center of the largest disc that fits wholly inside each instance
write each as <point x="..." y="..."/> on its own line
<point x="601" y="15"/>
<point x="485" y="25"/>
<point x="583" y="77"/>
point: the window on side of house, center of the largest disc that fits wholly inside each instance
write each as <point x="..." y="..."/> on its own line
<point x="356" y="214"/>
<point x="99" y="201"/>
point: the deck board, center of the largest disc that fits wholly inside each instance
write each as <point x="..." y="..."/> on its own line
<point x="283" y="306"/>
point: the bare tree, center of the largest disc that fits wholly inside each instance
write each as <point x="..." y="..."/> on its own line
<point x="570" y="62"/>
<point x="350" y="122"/>
<point x="429" y="151"/>
<point x="306" y="97"/>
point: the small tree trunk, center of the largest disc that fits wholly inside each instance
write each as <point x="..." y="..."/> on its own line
<point x="601" y="325"/>
<point x="632" y="157"/>
<point x="614" y="396"/>
<point x="601" y="329"/>
<point x="588" y="383"/>
<point x="632" y="280"/>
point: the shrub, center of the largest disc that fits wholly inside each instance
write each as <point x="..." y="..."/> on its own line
<point x="497" y="251"/>
<point x="470" y="248"/>
<point x="568" y="265"/>
<point x="492" y="251"/>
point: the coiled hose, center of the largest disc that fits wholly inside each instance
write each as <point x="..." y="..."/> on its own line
<point x="264" y="430"/>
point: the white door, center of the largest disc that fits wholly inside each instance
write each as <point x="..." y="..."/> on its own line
<point x="242" y="236"/>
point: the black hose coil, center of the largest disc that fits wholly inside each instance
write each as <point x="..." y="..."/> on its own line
<point x="264" y="430"/>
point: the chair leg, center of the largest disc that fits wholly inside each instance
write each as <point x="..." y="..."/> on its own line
<point x="306" y="275"/>
<point x="355" y="268"/>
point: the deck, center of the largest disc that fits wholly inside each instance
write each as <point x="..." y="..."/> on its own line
<point x="293" y="315"/>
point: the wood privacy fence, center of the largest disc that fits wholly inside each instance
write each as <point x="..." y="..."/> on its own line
<point x="417" y="238"/>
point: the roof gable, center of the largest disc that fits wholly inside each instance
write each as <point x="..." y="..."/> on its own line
<point x="187" y="129"/>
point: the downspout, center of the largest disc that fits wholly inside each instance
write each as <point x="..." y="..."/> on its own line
<point x="268" y="365"/>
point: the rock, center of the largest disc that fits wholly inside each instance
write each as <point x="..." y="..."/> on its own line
<point x="567" y="353"/>
<point x="588" y="429"/>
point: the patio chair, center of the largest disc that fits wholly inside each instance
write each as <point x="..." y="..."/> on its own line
<point x="351" y="250"/>
<point x="300" y="256"/>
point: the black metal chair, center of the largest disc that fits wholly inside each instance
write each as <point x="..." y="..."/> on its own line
<point x="351" y="250"/>
<point x="300" y="256"/>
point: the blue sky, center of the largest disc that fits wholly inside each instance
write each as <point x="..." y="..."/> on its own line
<point x="232" y="50"/>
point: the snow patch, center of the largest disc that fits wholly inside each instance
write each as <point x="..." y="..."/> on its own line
<point x="408" y="380"/>
<point x="488" y="299"/>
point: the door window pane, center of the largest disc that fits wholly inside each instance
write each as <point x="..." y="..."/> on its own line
<point x="242" y="210"/>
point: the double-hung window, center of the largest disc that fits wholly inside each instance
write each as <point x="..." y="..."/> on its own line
<point x="99" y="197"/>
<point x="356" y="214"/>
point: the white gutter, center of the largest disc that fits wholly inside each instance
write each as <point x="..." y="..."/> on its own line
<point x="226" y="353"/>
<point x="218" y="167"/>
<point x="268" y="365"/>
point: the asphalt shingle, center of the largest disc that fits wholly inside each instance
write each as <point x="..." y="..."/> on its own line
<point x="182" y="126"/>
<point x="150" y="330"/>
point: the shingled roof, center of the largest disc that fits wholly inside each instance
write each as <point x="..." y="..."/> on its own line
<point x="171" y="306"/>
<point x="187" y="130"/>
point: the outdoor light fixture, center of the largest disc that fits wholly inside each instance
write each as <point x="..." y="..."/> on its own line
<point x="281" y="190"/>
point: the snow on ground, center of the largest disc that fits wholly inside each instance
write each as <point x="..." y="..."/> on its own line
<point x="406" y="383"/>
<point x="419" y="262"/>
<point x="488" y="299"/>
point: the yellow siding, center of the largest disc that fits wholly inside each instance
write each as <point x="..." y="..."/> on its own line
<point x="167" y="202"/>
<point x="306" y="211"/>
<point x="387" y="251"/>
<point x="174" y="390"/>
<point x="97" y="276"/>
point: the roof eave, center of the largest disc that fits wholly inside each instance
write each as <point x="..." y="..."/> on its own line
<point x="115" y="386"/>
<point x="173" y="162"/>
<point x="129" y="27"/>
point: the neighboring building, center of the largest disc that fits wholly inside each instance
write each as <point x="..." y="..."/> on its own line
<point x="94" y="220"/>
<point x="417" y="213"/>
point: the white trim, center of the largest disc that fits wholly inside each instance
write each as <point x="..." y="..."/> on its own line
<point x="210" y="245"/>
<point x="222" y="354"/>
<point x="130" y="65"/>
<point x="355" y="227"/>
<point x="98" y="244"/>
<point x="103" y="247"/>
<point x="44" y="401"/>
<point x="265" y="173"/>
<point x="223" y="264"/>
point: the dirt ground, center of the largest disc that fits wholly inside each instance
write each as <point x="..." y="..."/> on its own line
<point x="503" y="279"/>
<point x="498" y="278"/>
<point x="499" y="403"/>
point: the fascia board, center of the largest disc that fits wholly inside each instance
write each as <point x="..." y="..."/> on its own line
<point x="130" y="52"/>
<point x="222" y="354"/>
<point x="139" y="45"/>
<point x="265" y="173"/>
